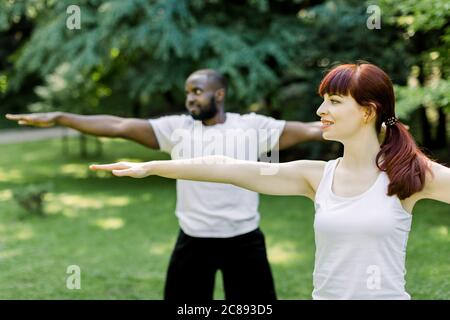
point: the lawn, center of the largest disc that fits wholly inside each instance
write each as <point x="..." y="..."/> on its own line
<point x="120" y="231"/>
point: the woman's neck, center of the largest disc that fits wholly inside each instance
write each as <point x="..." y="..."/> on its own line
<point x="360" y="152"/>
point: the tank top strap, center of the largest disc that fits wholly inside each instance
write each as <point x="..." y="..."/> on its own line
<point x="327" y="179"/>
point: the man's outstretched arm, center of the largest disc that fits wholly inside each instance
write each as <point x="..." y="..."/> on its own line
<point x="138" y="130"/>
<point x="295" y="132"/>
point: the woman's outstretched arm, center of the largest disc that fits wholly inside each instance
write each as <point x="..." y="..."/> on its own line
<point x="437" y="186"/>
<point x="290" y="178"/>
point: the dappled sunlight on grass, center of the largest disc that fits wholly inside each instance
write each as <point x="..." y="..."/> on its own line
<point x="110" y="223"/>
<point x="12" y="232"/>
<point x="117" y="201"/>
<point x="6" y="195"/>
<point x="11" y="175"/>
<point x="146" y="197"/>
<point x="440" y="232"/>
<point x="75" y="170"/>
<point x="67" y="212"/>
<point x="69" y="203"/>
<point x="34" y="157"/>
<point x="9" y="253"/>
<point x="24" y="234"/>
<point x="284" y="252"/>
<point x="122" y="231"/>
<point x="160" y="248"/>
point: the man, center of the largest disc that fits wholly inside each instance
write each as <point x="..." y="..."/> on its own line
<point x="218" y="222"/>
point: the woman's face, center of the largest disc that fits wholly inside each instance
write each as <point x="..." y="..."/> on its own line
<point x="342" y="117"/>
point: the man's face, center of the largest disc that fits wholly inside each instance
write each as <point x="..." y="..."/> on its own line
<point x="200" y="100"/>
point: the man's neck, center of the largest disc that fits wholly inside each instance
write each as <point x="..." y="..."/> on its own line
<point x="220" y="117"/>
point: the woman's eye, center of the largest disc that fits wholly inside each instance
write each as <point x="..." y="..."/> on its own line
<point x="197" y="92"/>
<point x="334" y="101"/>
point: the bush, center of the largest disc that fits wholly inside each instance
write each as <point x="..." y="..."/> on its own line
<point x="31" y="197"/>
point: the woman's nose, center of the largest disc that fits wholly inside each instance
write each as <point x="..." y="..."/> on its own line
<point x="321" y="110"/>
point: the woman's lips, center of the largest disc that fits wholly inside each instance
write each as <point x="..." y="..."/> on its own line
<point x="326" y="124"/>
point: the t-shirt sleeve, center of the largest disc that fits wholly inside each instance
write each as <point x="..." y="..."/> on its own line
<point x="269" y="131"/>
<point x="164" y="128"/>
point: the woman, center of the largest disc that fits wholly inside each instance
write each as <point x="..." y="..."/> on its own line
<point x="363" y="200"/>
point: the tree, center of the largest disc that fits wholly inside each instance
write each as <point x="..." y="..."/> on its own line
<point x="426" y="27"/>
<point x="132" y="57"/>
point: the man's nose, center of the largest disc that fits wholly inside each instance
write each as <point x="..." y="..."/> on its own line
<point x="190" y="99"/>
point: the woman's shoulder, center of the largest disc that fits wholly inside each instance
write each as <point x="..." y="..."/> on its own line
<point x="311" y="170"/>
<point x="315" y="165"/>
<point x="437" y="183"/>
<point x="436" y="177"/>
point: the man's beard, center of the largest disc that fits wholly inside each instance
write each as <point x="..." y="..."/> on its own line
<point x="206" y="114"/>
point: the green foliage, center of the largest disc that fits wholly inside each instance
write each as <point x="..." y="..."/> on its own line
<point x="152" y="46"/>
<point x="149" y="47"/>
<point x="138" y="53"/>
<point x="425" y="26"/>
<point x="409" y="98"/>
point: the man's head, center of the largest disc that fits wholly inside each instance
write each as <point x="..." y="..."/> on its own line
<point x="205" y="93"/>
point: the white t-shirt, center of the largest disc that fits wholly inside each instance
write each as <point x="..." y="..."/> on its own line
<point x="217" y="210"/>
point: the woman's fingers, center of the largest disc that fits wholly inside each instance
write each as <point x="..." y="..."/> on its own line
<point x="109" y="167"/>
<point x="123" y="173"/>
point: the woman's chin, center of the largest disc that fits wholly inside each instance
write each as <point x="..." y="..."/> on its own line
<point x="327" y="136"/>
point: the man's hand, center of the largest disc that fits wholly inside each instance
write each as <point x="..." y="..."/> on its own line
<point x="125" y="169"/>
<point x="43" y="120"/>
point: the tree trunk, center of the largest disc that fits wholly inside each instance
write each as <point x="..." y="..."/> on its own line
<point x="98" y="147"/>
<point x="274" y="113"/>
<point x="426" y="128"/>
<point x="137" y="108"/>
<point x="65" y="146"/>
<point x="441" y="134"/>
<point x="83" y="149"/>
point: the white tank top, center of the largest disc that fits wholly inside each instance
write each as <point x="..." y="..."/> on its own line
<point x="360" y="242"/>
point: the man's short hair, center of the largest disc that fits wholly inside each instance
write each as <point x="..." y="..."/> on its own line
<point x="218" y="77"/>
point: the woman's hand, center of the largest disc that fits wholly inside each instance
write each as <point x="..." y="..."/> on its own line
<point x="125" y="169"/>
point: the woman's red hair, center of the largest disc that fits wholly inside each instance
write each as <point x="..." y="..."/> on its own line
<point x="399" y="156"/>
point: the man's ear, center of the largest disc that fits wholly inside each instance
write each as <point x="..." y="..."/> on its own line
<point x="220" y="94"/>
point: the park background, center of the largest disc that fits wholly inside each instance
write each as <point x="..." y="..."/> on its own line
<point x="131" y="58"/>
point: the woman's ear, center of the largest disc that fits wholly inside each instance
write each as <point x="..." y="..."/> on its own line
<point x="370" y="112"/>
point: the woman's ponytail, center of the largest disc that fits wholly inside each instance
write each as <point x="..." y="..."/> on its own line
<point x="402" y="160"/>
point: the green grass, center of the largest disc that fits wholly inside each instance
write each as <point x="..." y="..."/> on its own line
<point x="120" y="231"/>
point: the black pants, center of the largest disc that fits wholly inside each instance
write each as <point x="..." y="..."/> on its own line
<point x="241" y="259"/>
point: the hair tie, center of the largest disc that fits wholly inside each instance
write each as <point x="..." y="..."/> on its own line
<point x="391" y="121"/>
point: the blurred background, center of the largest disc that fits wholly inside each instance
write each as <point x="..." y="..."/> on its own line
<point x="131" y="58"/>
